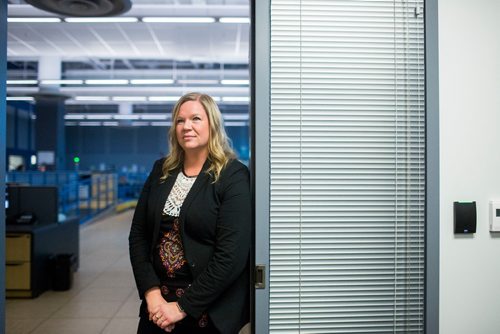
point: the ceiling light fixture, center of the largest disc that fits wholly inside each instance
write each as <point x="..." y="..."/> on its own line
<point x="91" y="98"/>
<point x="140" y="123"/>
<point x="129" y="98"/>
<point x="154" y="117"/>
<point x="61" y="82"/>
<point x="126" y="116"/>
<point x="235" y="123"/>
<point x="111" y="116"/>
<point x="33" y="20"/>
<point x="20" y="98"/>
<point x="22" y="82"/>
<point x="161" y="123"/>
<point x="236" y="99"/>
<point x="163" y="98"/>
<point x="235" y="117"/>
<point x="74" y="116"/>
<point x="101" y="19"/>
<point x="89" y="123"/>
<point x="106" y="82"/>
<point x="234" y="20"/>
<point x="98" y="116"/>
<point x="151" y="81"/>
<point x="234" y="82"/>
<point x="173" y="19"/>
<point x="197" y="82"/>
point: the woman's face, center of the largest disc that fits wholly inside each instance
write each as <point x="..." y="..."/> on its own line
<point x="192" y="128"/>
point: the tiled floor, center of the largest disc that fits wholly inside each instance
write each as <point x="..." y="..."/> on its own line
<point x="103" y="298"/>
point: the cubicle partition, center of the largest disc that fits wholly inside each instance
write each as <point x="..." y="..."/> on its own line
<point x="81" y="195"/>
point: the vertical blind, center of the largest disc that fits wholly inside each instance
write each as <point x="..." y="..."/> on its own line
<point x="347" y="167"/>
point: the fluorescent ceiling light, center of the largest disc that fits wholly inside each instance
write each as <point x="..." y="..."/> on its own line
<point x="70" y="123"/>
<point x="151" y="81"/>
<point x="235" y="117"/>
<point x="33" y="20"/>
<point x="174" y="19"/>
<point x="236" y="99"/>
<point x="20" y="98"/>
<point x="98" y="116"/>
<point x="140" y="123"/>
<point x="197" y="82"/>
<point x="91" y="98"/>
<point x="89" y="123"/>
<point x="234" y="20"/>
<point x="22" y="82"/>
<point x="234" y="82"/>
<point x="235" y="123"/>
<point x="61" y="82"/>
<point x="129" y="98"/>
<point x="154" y="116"/>
<point x="163" y="98"/>
<point x="110" y="123"/>
<point x="101" y="19"/>
<point x="126" y="116"/>
<point x="106" y="82"/>
<point x="161" y="123"/>
<point x="108" y="117"/>
<point x="74" y="116"/>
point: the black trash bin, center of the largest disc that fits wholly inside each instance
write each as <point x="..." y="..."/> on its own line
<point x="62" y="266"/>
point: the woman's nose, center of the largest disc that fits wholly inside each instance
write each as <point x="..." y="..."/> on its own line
<point x="187" y="125"/>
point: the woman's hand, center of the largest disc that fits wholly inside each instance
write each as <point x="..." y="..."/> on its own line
<point x="154" y="300"/>
<point x="163" y="314"/>
<point x="167" y="315"/>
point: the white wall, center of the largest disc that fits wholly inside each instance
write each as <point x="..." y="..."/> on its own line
<point x="469" y="92"/>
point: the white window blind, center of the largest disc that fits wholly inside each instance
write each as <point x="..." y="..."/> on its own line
<point x="347" y="167"/>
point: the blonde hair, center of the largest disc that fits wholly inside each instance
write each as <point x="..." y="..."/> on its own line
<point x="219" y="150"/>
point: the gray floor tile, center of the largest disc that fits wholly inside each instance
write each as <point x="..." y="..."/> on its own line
<point x="72" y="326"/>
<point x="122" y="326"/>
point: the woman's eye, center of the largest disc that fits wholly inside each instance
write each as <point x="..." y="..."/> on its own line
<point x="196" y="118"/>
<point x="180" y="121"/>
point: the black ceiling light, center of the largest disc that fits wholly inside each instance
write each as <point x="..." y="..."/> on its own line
<point x="83" y="8"/>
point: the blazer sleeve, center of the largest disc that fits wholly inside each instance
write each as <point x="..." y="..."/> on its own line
<point x="232" y="245"/>
<point x="140" y="240"/>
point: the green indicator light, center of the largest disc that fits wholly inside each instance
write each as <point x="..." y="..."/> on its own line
<point x="76" y="160"/>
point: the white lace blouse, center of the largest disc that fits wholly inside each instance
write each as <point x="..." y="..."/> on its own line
<point x="178" y="194"/>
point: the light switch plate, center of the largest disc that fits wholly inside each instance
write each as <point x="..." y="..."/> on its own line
<point x="495" y="216"/>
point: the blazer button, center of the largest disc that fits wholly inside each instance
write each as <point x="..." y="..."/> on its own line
<point x="193" y="265"/>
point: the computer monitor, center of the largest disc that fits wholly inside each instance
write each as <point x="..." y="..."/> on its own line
<point x="41" y="202"/>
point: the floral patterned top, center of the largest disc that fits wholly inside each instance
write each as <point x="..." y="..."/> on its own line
<point x="169" y="260"/>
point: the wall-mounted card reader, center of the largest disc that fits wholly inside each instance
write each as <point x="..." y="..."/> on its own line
<point x="464" y="217"/>
<point x="495" y="216"/>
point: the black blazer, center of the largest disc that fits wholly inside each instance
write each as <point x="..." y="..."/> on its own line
<point x="215" y="225"/>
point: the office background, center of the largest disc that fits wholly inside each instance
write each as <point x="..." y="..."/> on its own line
<point x="469" y="49"/>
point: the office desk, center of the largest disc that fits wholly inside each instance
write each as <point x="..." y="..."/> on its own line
<point x="28" y="250"/>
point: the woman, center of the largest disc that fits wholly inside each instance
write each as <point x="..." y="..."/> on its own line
<point x="190" y="236"/>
